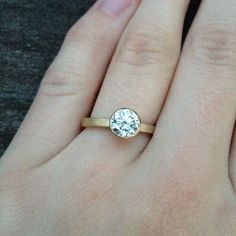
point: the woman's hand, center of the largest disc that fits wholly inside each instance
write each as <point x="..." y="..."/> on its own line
<point x="57" y="179"/>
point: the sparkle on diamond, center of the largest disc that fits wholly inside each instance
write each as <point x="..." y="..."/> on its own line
<point x="125" y="123"/>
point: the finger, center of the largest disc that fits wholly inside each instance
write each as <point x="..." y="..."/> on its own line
<point x="142" y="68"/>
<point x="232" y="163"/>
<point x="196" y="125"/>
<point x="70" y="86"/>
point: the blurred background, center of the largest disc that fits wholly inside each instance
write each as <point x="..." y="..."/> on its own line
<point x="31" y="33"/>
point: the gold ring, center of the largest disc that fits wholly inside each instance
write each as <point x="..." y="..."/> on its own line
<point x="124" y="123"/>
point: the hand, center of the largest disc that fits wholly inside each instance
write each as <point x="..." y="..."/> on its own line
<point x="60" y="179"/>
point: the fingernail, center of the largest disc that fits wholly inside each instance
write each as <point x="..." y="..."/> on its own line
<point x="115" y="7"/>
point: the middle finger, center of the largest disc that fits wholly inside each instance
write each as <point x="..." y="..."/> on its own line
<point x="197" y="122"/>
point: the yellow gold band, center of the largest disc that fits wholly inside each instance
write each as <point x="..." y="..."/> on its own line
<point x="105" y="123"/>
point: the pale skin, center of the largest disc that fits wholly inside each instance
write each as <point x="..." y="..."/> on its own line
<point x="59" y="179"/>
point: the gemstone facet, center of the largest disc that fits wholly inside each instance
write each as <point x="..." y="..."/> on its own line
<point x="125" y="123"/>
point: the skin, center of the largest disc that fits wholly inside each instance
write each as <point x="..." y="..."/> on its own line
<point x="57" y="179"/>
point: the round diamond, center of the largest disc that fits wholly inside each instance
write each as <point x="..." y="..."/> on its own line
<point x="125" y="123"/>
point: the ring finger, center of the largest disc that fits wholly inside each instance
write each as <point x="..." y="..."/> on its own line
<point x="142" y="67"/>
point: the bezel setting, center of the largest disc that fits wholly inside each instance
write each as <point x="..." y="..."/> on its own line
<point x="125" y="123"/>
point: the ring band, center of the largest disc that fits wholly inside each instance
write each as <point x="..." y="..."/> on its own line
<point x="105" y="123"/>
<point x="124" y="123"/>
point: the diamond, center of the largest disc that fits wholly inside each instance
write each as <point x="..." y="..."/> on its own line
<point x="125" y="123"/>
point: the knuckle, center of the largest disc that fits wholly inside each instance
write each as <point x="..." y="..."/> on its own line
<point x="79" y="38"/>
<point x="182" y="191"/>
<point x="171" y="204"/>
<point x="77" y="33"/>
<point x="146" y="47"/>
<point x="63" y="84"/>
<point x="88" y="37"/>
<point x="214" y="45"/>
<point x="73" y="33"/>
<point x="69" y="74"/>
